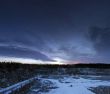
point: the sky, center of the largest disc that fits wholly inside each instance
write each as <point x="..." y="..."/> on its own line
<point x="55" y="31"/>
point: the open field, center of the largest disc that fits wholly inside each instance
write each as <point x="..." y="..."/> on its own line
<point x="50" y="79"/>
<point x="66" y="84"/>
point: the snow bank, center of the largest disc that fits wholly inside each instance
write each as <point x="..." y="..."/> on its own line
<point x="9" y="89"/>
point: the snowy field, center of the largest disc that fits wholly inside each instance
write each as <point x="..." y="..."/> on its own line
<point x="68" y="85"/>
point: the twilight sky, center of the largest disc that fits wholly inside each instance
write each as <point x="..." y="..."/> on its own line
<point x="55" y="31"/>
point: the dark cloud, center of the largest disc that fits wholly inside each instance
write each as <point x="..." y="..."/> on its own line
<point x="100" y="38"/>
<point x="19" y="52"/>
<point x="56" y="28"/>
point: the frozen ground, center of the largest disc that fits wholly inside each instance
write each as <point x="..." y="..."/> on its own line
<point x="68" y="85"/>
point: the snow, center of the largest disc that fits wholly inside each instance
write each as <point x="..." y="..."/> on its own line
<point x="66" y="85"/>
<point x="9" y="89"/>
<point x="70" y="85"/>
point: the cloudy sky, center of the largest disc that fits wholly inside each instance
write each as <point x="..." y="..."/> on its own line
<point x="55" y="31"/>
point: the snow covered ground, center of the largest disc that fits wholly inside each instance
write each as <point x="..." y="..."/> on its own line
<point x="72" y="85"/>
<point x="14" y="87"/>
